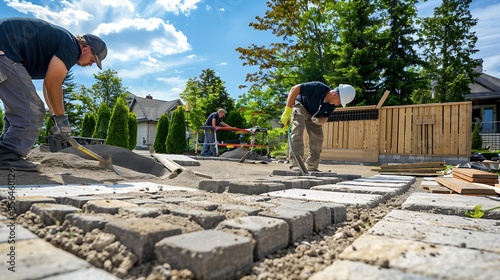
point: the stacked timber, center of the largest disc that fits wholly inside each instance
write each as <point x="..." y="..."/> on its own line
<point x="412" y="169"/>
<point x="466" y="188"/>
<point x="475" y="176"/>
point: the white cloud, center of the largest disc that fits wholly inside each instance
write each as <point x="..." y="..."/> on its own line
<point x="179" y="6"/>
<point x="64" y="16"/>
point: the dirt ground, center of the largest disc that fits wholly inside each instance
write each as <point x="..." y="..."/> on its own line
<point x="69" y="167"/>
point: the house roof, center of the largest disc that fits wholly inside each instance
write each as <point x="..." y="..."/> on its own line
<point x="485" y="87"/>
<point x="151" y="108"/>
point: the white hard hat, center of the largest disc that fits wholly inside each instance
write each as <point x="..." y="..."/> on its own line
<point x="347" y="94"/>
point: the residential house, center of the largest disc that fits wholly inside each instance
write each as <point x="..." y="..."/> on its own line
<point x="148" y="112"/>
<point x="485" y="97"/>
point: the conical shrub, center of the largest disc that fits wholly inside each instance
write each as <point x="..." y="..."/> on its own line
<point x="118" y="125"/>
<point x="176" y="139"/>
<point x="132" y="131"/>
<point x="102" y="122"/>
<point x="161" y="134"/>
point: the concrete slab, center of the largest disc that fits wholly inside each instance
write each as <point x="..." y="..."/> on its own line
<point x="449" y="221"/>
<point x="386" y="192"/>
<point x="450" y="204"/>
<point x="424" y="259"/>
<point x="270" y="234"/>
<point x="360" y="200"/>
<point x="349" y="270"/>
<point x="209" y="254"/>
<point x="300" y="222"/>
<point x="37" y="259"/>
<point x="411" y="179"/>
<point x="249" y="188"/>
<point x="403" y="186"/>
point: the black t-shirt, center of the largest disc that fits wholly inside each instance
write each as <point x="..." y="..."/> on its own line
<point x="312" y="96"/>
<point x="33" y="42"/>
<point x="212" y="116"/>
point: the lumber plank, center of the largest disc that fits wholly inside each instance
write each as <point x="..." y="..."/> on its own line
<point x="416" y="170"/>
<point x="488" y="181"/>
<point x="463" y="187"/>
<point x="474" y="173"/>
<point x="438" y="164"/>
<point x="411" y="174"/>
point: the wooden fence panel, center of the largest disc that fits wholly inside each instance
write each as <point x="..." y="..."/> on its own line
<point x="428" y="129"/>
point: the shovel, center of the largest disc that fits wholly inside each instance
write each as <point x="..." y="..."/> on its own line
<point x="104" y="161"/>
<point x="300" y="162"/>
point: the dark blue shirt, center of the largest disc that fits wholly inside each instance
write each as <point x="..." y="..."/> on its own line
<point x="212" y="116"/>
<point x="33" y="42"/>
<point x="312" y="96"/>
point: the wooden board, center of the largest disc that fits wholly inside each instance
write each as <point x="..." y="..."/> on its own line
<point x="415" y="170"/>
<point x="439" y="189"/>
<point x="488" y="181"/>
<point x="474" y="173"/>
<point x="463" y="187"/>
<point x="409" y="173"/>
<point x="438" y="164"/>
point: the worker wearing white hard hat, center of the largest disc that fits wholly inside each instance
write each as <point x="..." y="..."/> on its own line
<point x="308" y="107"/>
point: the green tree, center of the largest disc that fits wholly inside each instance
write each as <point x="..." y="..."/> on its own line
<point x="118" y="125"/>
<point x="176" y="138"/>
<point x="477" y="140"/>
<point x="132" y="130"/>
<point x="161" y="134"/>
<point x="102" y="122"/>
<point x="108" y="87"/>
<point x="86" y="101"/>
<point x="70" y="101"/>
<point x="205" y="94"/>
<point x="88" y="125"/>
<point x="450" y="44"/>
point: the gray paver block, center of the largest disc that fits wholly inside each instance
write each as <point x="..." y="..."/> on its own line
<point x="251" y="211"/>
<point x="300" y="222"/>
<point x="23" y="203"/>
<point x="206" y="219"/>
<point x="381" y="180"/>
<point x="85" y="274"/>
<point x="141" y="235"/>
<point x="402" y="186"/>
<point x="36" y="255"/>
<point x="247" y="188"/>
<point x="204" y="205"/>
<point x="424" y="259"/>
<point x="274" y="186"/>
<point x="449" y="221"/>
<point x="269" y="234"/>
<point x="88" y="222"/>
<point x="359" y="200"/>
<point x="450" y="204"/>
<point x="12" y="232"/>
<point x="345" y="177"/>
<point x="386" y="192"/>
<point x="214" y="186"/>
<point x="142" y="201"/>
<point x="349" y="270"/>
<point x="78" y="201"/>
<point x="106" y="206"/>
<point x="322" y="216"/>
<point x="143" y="211"/>
<point x="339" y="212"/>
<point x="410" y="179"/>
<point x="209" y="254"/>
<point x="51" y="214"/>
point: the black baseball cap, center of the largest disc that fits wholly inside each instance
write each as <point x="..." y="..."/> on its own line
<point x="98" y="48"/>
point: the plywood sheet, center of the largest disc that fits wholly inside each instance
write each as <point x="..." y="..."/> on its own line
<point x="463" y="187"/>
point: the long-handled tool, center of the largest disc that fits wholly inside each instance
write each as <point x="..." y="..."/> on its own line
<point x="104" y="161"/>
<point x="298" y="159"/>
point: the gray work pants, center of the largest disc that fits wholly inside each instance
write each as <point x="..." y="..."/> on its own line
<point x="24" y="111"/>
<point x="301" y="120"/>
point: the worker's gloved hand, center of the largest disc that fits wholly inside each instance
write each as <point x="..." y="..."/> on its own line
<point x="286" y="116"/>
<point x="61" y="131"/>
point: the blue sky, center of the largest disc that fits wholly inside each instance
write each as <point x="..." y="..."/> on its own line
<point x="157" y="45"/>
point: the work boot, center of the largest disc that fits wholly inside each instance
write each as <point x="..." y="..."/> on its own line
<point x="20" y="164"/>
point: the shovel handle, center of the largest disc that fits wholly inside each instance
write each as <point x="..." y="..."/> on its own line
<point x="75" y="144"/>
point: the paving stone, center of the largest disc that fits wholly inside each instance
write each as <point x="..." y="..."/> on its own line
<point x="349" y="270"/>
<point x="143" y="211"/>
<point x="410" y="179"/>
<point x="206" y="219"/>
<point x="23" y="203"/>
<point x="11" y="232"/>
<point x="274" y="186"/>
<point x="78" y="201"/>
<point x="322" y="216"/>
<point x="280" y="172"/>
<point x="37" y="259"/>
<point x="300" y="222"/>
<point x="359" y="200"/>
<point x="381" y="180"/>
<point x="106" y="206"/>
<point x="91" y="221"/>
<point x="204" y="205"/>
<point x="251" y="211"/>
<point x="323" y="174"/>
<point x="51" y="214"/>
<point x="292" y="184"/>
<point x="424" y="259"/>
<point x="142" y="201"/>
<point x="343" y="177"/>
<point x="175" y="200"/>
<point x="441" y="235"/>
<point x="141" y="235"/>
<point x="270" y="234"/>
<point x="84" y="274"/>
<point x="116" y="196"/>
<point x="304" y="183"/>
<point x="401" y="186"/>
<point x="413" y="217"/>
<point x="209" y="254"/>
<point x="450" y="204"/>
<point x="338" y="211"/>
<point x="386" y="192"/>
<point x="247" y="188"/>
<point x="213" y="186"/>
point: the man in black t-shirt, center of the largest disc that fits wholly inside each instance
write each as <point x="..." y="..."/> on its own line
<point x="35" y="49"/>
<point x="213" y="119"/>
<point x="308" y="107"/>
